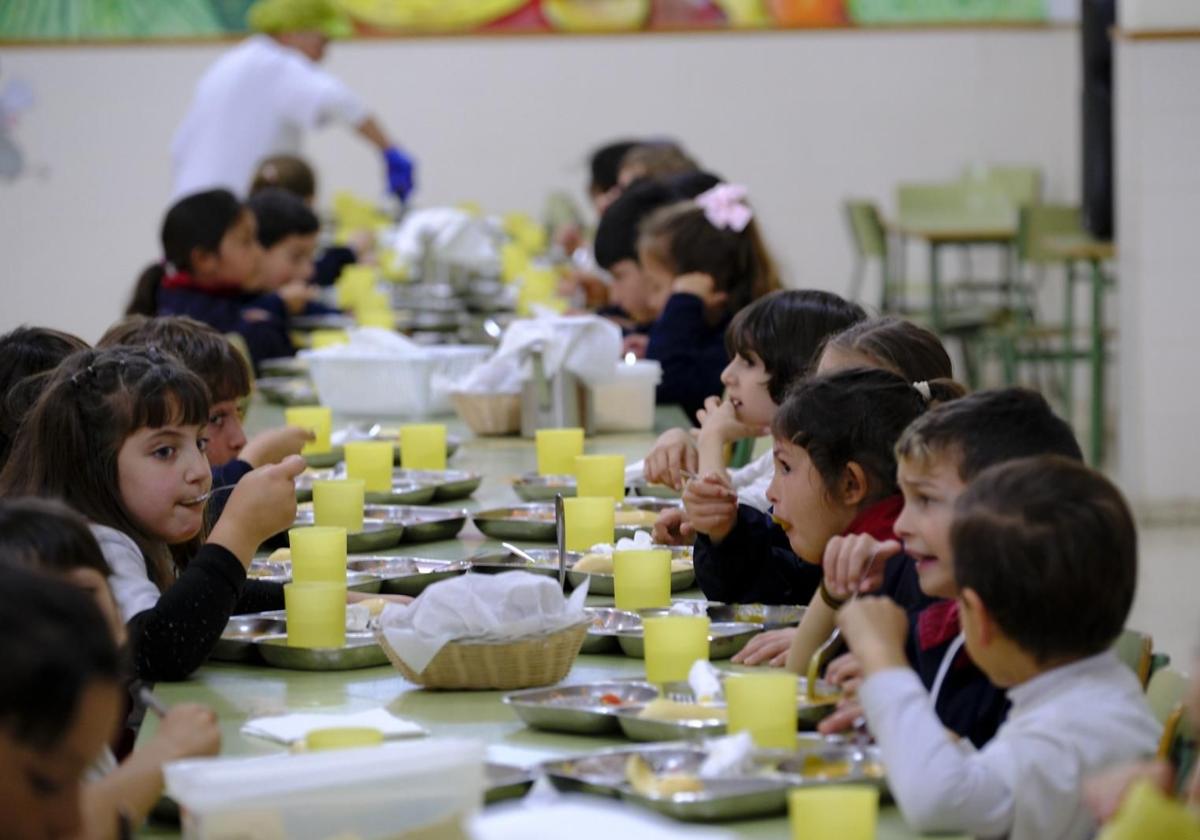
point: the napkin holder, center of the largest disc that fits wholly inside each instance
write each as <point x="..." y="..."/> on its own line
<point x="552" y="401"/>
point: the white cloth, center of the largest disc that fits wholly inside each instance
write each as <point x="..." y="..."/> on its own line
<point x="581" y="818"/>
<point x="1025" y="783"/>
<point x="255" y="101"/>
<point x="291" y="728"/>
<point x="130" y="582"/>
<point x="585" y="345"/>
<point x="490" y="608"/>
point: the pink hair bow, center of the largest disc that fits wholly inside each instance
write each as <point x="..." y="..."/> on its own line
<point x="725" y="207"/>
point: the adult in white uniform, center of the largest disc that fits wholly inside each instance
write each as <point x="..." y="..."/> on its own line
<point x="259" y="98"/>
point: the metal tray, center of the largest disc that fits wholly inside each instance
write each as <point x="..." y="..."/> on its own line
<point x="328" y="321"/>
<point x="406" y="575"/>
<point x="535" y="521"/>
<point x="725" y="638"/>
<point x="448" y="485"/>
<point x="361" y="651"/>
<point x="770" y="616"/>
<point x="603" y="584"/>
<point x="237" y="642"/>
<point x="429" y="524"/>
<point x="490" y="562"/>
<point x="638" y="728"/>
<point x="382" y="527"/>
<point x="504" y="781"/>
<point x="288" y="390"/>
<point x="405" y="491"/>
<point x="607" y="622"/>
<point x="284" y="366"/>
<point x="376" y="431"/>
<point x="282" y="573"/>
<point x="577" y="708"/>
<point x="325" y="460"/>
<point x="652" y="491"/>
<point x="543" y="488"/>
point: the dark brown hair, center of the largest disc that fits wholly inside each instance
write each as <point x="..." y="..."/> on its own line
<point x="1050" y="548"/>
<point x="204" y="351"/>
<point x="857" y="416"/>
<point x="657" y="160"/>
<point x="46" y="534"/>
<point x="682" y="239"/>
<point x="899" y="346"/>
<point x="94" y="401"/>
<point x="287" y="172"/>
<point x="27" y="356"/>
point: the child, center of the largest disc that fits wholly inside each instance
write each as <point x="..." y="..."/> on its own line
<point x="834" y="474"/>
<point x="703" y="261"/>
<point x="209" y="355"/>
<point x="60" y="701"/>
<point x="937" y="457"/>
<point x="210" y="271"/>
<point x="49" y="537"/>
<point x="287" y="231"/>
<point x="25" y="353"/>
<point x="1045" y="561"/>
<point x="119" y="435"/>
<point x="772" y="343"/>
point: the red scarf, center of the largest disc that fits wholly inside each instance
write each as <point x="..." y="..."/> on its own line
<point x="184" y="280"/>
<point x="878" y="520"/>
<point x="937" y="624"/>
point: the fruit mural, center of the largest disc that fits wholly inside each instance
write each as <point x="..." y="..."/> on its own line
<point x="89" y="20"/>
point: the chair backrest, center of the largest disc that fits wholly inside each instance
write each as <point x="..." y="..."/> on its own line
<point x="933" y="199"/>
<point x="1036" y="223"/>
<point x="1165" y="691"/>
<point x="866" y="229"/>
<point x="1136" y="650"/>
<point x="1020" y="184"/>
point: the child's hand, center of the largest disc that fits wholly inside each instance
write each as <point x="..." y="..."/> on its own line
<point x="673" y="453"/>
<point x="769" y="648"/>
<point x="847" y="558"/>
<point x="673" y="528"/>
<point x="846" y="716"/>
<point x="189" y="730"/>
<point x="720" y="421"/>
<point x="273" y="445"/>
<point x="296" y="296"/>
<point x="1104" y="793"/>
<point x="262" y="505"/>
<point x="702" y="286"/>
<point x="711" y="505"/>
<point x="875" y="630"/>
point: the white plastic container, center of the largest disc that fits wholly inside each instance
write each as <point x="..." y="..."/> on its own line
<point x="625" y="403"/>
<point x="380" y="384"/>
<point x="428" y="788"/>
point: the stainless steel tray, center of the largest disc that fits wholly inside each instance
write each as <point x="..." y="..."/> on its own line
<point x="578" y="708"/>
<point x="490" y="562"/>
<point x="725" y="638"/>
<point x="284" y="366"/>
<point x="237" y="642"/>
<point x="637" y="728"/>
<point x="405" y="491"/>
<point x="535" y="521"/>
<point x="382" y="527"/>
<point x="282" y="573"/>
<point x="652" y="491"/>
<point x="505" y="781"/>
<point x="603" y="584"/>
<point x="407" y="575"/>
<point x="325" y="460"/>
<point x="361" y="651"/>
<point x="607" y="622"/>
<point x="429" y="524"/>
<point x="770" y="616"/>
<point x="376" y="431"/>
<point x="543" y="488"/>
<point x="288" y="390"/>
<point x="448" y="485"/>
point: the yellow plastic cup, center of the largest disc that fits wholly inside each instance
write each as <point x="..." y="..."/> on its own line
<point x="557" y="449"/>
<point x="673" y="644"/>
<point x="338" y="503"/>
<point x="352" y="283"/>
<point x="835" y="812"/>
<point x="372" y="300"/>
<point x="423" y="446"/>
<point x="316" y="614"/>
<point x="318" y="554"/>
<point x="600" y="475"/>
<point x="384" y="319"/>
<point x="642" y="579"/>
<point x="343" y="738"/>
<point x="513" y="261"/>
<point x="316" y="418"/>
<point x="328" y="338"/>
<point x="589" y="521"/>
<point x="763" y="704"/>
<point x="371" y="461"/>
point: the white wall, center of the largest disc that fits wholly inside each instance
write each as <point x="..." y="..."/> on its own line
<point x="805" y="119"/>
<point x="1158" y="187"/>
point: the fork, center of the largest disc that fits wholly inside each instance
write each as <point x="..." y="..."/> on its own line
<point x="822" y="656"/>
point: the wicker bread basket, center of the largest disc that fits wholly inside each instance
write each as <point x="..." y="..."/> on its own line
<point x="521" y="663"/>
<point x="489" y="414"/>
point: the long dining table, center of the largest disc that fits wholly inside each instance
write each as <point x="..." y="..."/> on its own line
<point x="238" y="692"/>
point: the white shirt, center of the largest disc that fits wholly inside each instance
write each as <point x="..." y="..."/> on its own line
<point x="752" y="480"/>
<point x="131" y="585"/>
<point x="1064" y="725"/>
<point x="255" y="101"/>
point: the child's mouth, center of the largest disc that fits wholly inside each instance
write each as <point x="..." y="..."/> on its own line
<point x="195" y="501"/>
<point x="923" y="561"/>
<point x="782" y="523"/>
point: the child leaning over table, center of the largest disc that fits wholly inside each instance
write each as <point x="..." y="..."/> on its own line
<point x="1045" y="558"/>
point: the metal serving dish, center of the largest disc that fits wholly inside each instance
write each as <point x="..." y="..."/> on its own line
<point x="709" y="722"/>
<point x="324" y="460"/>
<point x="407" y="575"/>
<point x="505" y="781"/>
<point x="405" y="491"/>
<point x="535" y="521"/>
<point x="543" y="488"/>
<point x="600" y="583"/>
<point x="448" y="485"/>
<point x="652" y="491"/>
<point x="586" y="709"/>
<point x="282" y="573"/>
<point x="490" y="562"/>
<point x="382" y="527"/>
<point x="825" y="763"/>
<point x="284" y="366"/>
<point x="607" y="622"/>
<point x="237" y="642"/>
<point x="725" y="638"/>
<point x="429" y="524"/>
<point x="360" y="651"/>
<point x="377" y="431"/>
<point x="288" y="390"/>
<point x="770" y="616"/>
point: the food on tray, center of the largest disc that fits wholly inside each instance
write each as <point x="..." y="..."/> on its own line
<point x="601" y="563"/>
<point x="610" y="699"/>
<point x="636" y="518"/>
<point x="673" y="710"/>
<point x="532" y="514"/>
<point x="280" y="555"/>
<point x="828" y="769"/>
<point x="644" y="780"/>
<point x="374" y="605"/>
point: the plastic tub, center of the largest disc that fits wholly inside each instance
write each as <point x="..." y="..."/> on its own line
<point x="369" y="382"/>
<point x="396" y="790"/>
<point x="626" y="402"/>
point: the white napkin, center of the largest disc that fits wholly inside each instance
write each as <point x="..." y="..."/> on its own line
<point x="705" y="682"/>
<point x="290" y="728"/>
<point x="582" y="818"/>
<point x="726" y="755"/>
<point x="641" y="541"/>
<point x="584" y="345"/>
<point x="482" y="608"/>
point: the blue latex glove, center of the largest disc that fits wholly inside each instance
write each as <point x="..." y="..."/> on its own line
<point x="400" y="172"/>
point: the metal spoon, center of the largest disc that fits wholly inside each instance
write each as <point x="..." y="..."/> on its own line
<point x="203" y="497"/>
<point x="512" y="549"/>
<point x="824" y="653"/>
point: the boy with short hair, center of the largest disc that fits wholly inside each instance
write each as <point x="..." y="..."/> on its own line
<point x="1044" y="557"/>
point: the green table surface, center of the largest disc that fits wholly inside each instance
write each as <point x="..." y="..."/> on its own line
<point x="240" y="692"/>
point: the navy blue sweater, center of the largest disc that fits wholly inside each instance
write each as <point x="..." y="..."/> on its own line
<point x="754" y="564"/>
<point x="691" y="352"/>
<point x="261" y="321"/>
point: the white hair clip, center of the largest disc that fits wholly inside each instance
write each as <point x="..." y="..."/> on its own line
<point x="923" y="389"/>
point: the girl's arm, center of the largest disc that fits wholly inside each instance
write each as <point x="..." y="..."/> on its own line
<point x="754" y="564"/>
<point x="818" y="622"/>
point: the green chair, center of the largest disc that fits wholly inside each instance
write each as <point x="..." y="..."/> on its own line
<point x="1165" y="691"/>
<point x="1019" y="184"/>
<point x="869" y="238"/>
